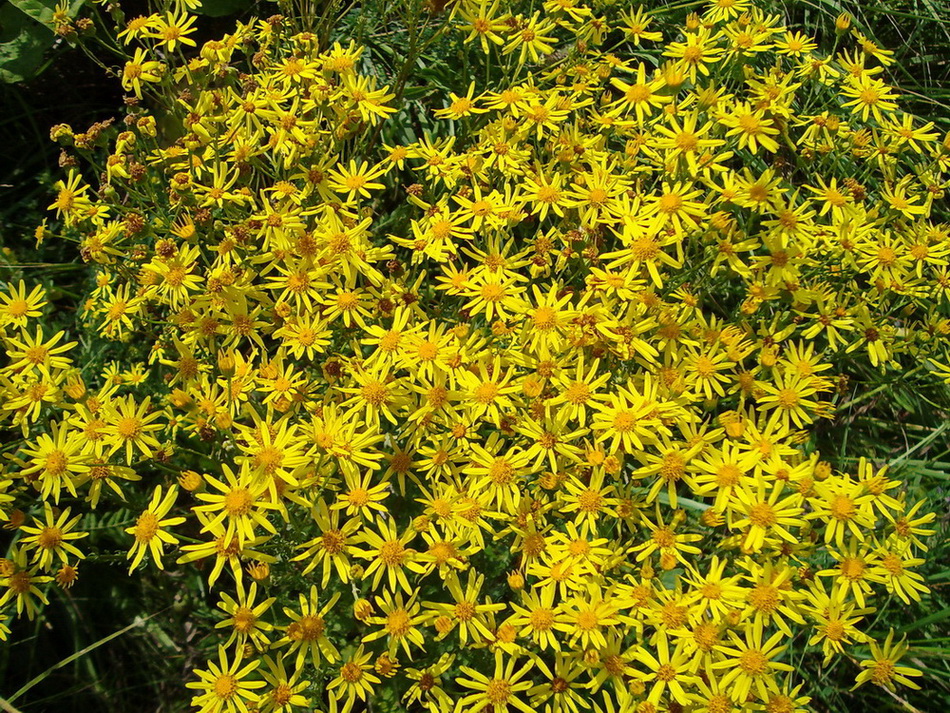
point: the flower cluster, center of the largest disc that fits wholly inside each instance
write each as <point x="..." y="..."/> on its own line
<point x="514" y="415"/>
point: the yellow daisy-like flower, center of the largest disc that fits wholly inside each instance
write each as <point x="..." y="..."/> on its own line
<point x="356" y="179"/>
<point x="882" y="669"/>
<point x="499" y="692"/>
<point x="668" y="670"/>
<point x="399" y="620"/>
<point x="752" y="128"/>
<point x="17" y="307"/>
<point x="139" y="70"/>
<point x="239" y="504"/>
<point x="750" y="663"/>
<point x="306" y="632"/>
<point x="149" y="529"/>
<point x="52" y="537"/>
<point x="354" y="681"/>
<point x="245" y="617"/>
<point x="224" y="686"/>
<point x="390" y="558"/>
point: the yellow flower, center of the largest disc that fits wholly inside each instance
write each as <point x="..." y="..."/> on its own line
<point x="668" y="670"/>
<point x="306" y="633"/>
<point x="399" y="620"/>
<point x="537" y="618"/>
<point x="389" y="556"/>
<point x="172" y="30"/>
<point x="131" y="427"/>
<point x="628" y="420"/>
<point x="22" y="584"/>
<point x="52" y="537"/>
<point x="463" y="106"/>
<point x="239" y="505"/>
<point x="696" y="54"/>
<point x="283" y="692"/>
<point x="355" y="680"/>
<point x="750" y="663"/>
<point x="225" y="550"/>
<point x="641" y="96"/>
<point x="467" y="614"/>
<point x="137" y="27"/>
<point x="361" y="497"/>
<point x="356" y="180"/>
<point x="225" y="686"/>
<point x="587" y="616"/>
<point x="370" y="102"/>
<point x="531" y="39"/>
<point x="869" y="97"/>
<point x="17" y="307"/>
<point x="35" y="352"/>
<point x="751" y="126"/>
<point x="882" y="668"/>
<point x="844" y="507"/>
<point x="498" y="692"/>
<point x="765" y="516"/>
<point x="245" y="617"/>
<point x="57" y="461"/>
<point x="483" y="22"/>
<point x="893" y="568"/>
<point x="149" y="529"/>
<point x="664" y="539"/>
<point x="332" y="548"/>
<point x="139" y="70"/>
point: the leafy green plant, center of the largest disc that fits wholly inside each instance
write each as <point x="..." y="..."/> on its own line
<point x="396" y="205"/>
<point x="26" y="35"/>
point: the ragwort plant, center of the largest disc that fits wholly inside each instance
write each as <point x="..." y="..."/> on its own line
<point x="518" y="413"/>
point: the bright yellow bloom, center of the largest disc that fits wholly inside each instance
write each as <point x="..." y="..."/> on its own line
<point x="225" y="686"/>
<point x="150" y="526"/>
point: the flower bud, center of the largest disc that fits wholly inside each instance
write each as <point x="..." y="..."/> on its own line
<point x="226" y="363"/>
<point x="259" y="571"/>
<point x="190" y="480"/>
<point x="362" y="609"/>
<point x="711" y="518"/>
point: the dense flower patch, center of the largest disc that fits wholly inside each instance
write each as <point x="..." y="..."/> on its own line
<point x="514" y="415"/>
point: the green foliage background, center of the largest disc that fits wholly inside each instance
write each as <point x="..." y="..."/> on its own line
<point x="119" y="644"/>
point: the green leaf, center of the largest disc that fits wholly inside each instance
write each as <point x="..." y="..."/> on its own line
<point x="682" y="502"/>
<point x="39" y="10"/>
<point x="42" y="10"/>
<point x="25" y="36"/>
<point x="933" y="618"/>
<point x="139" y="621"/>
<point x="670" y="577"/>
<point x="23" y="46"/>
